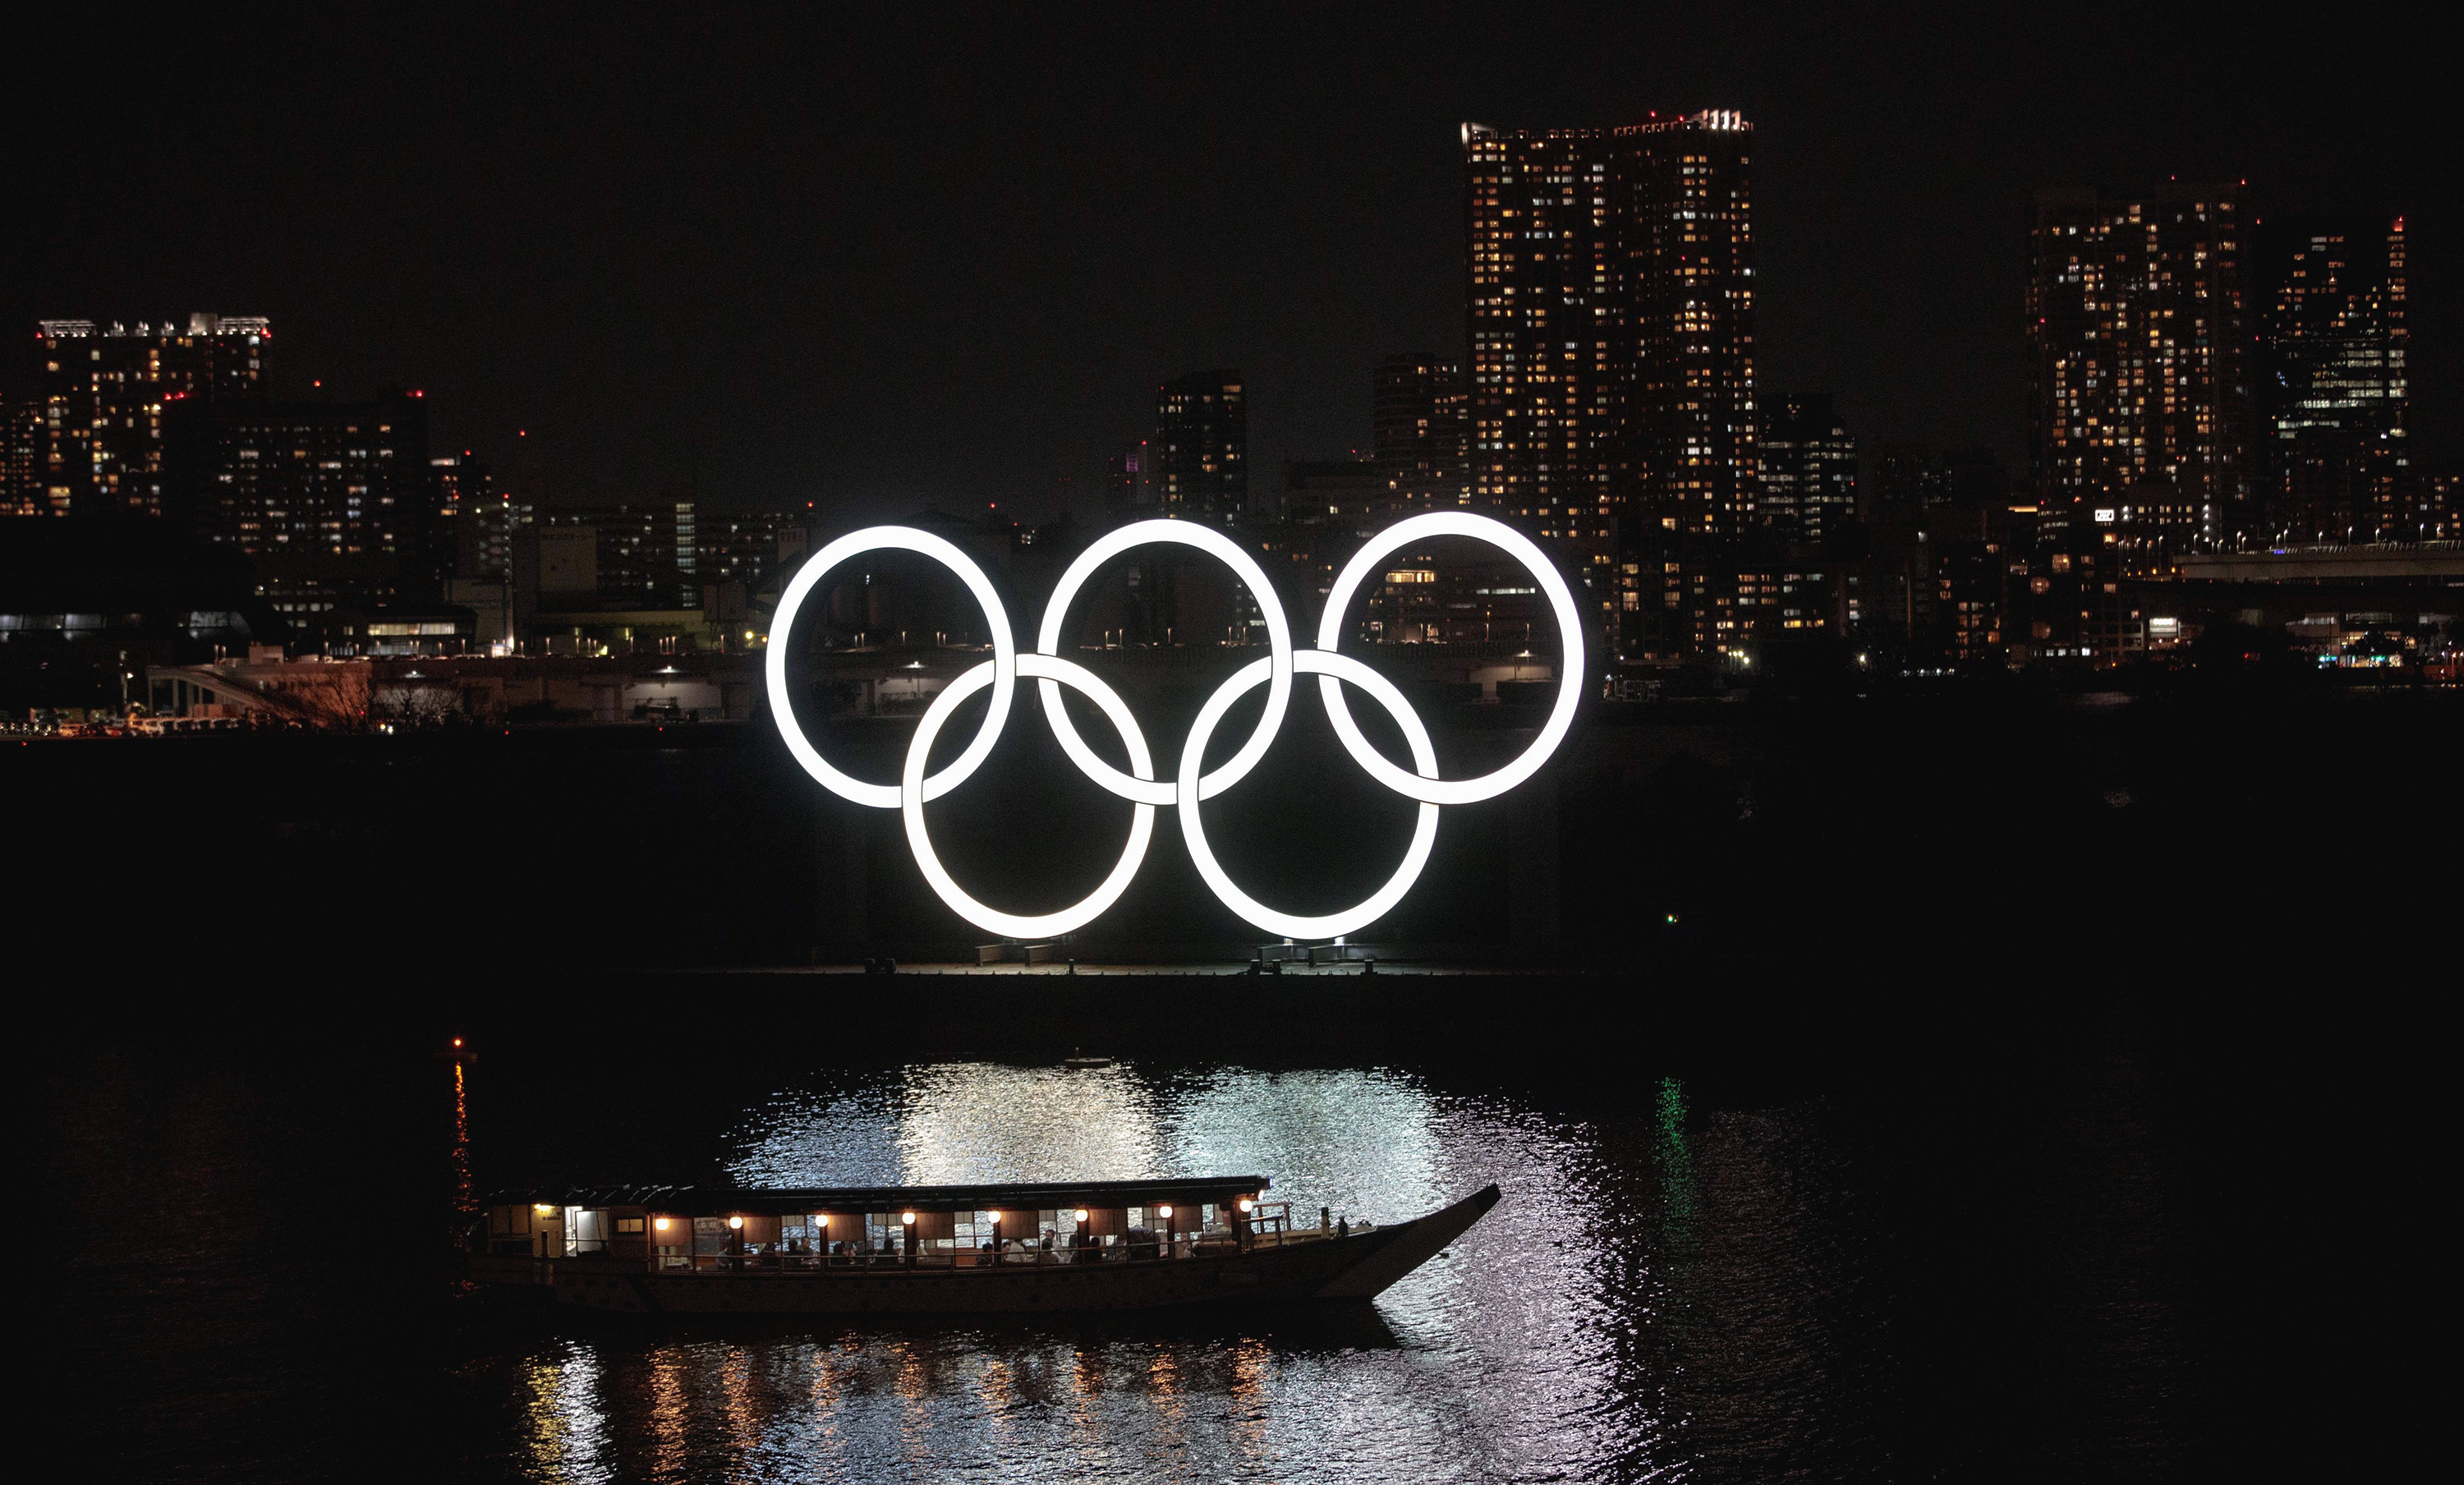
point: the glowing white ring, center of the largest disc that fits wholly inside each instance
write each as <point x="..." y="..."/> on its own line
<point x="1570" y="623"/>
<point x="913" y="791"/>
<point x="1191" y="785"/>
<point x="1004" y="662"/>
<point x="1334" y="668"/>
<point x="1279" y="653"/>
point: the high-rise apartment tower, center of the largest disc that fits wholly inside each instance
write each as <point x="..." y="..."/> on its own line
<point x="1610" y="308"/>
<point x="1201" y="448"/>
<point x="335" y="501"/>
<point x="1547" y="338"/>
<point x="1807" y="469"/>
<point x="1685" y="198"/>
<point x="106" y="391"/>
<point x="22" y="444"/>
<point x="2332" y="391"/>
<point x="1421" y="432"/>
<point x="2139" y="410"/>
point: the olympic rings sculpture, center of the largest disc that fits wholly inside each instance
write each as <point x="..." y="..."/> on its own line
<point x="1190" y="785"/>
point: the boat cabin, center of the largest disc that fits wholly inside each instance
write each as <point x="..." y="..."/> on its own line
<point x="698" y="1229"/>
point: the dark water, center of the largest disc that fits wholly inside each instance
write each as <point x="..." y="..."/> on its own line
<point x="2047" y="1242"/>
<point x="2045" y="1095"/>
<point x="1871" y="831"/>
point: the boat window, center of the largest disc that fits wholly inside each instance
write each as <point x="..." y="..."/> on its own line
<point x="585" y="1230"/>
<point x="625" y="1225"/>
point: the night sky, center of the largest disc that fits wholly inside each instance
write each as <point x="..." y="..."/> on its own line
<point x="870" y="258"/>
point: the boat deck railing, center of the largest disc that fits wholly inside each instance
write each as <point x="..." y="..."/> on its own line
<point x="1265" y="1231"/>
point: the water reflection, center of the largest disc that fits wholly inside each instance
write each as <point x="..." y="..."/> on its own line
<point x="1489" y="1364"/>
<point x="1671" y="1295"/>
<point x="568" y="1426"/>
<point x="1674" y="1287"/>
<point x="1362" y="1143"/>
<point x="466" y="1200"/>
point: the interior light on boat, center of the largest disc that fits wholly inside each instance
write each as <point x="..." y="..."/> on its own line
<point x="541" y="1208"/>
<point x="1081" y="1214"/>
<point x="660" y="1223"/>
<point x="907" y="1219"/>
<point x="1163" y="1211"/>
<point x="1248" y="1206"/>
<point x="735" y="1222"/>
<point x="820" y="1219"/>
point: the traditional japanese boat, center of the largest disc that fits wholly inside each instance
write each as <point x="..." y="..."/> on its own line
<point x="1114" y="1244"/>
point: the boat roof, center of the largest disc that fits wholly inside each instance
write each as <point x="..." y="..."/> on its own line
<point x="1002" y="1196"/>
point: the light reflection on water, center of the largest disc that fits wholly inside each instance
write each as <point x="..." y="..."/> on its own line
<point x="1360" y="1142"/>
<point x="1906" y="1277"/>
<point x="568" y="1424"/>
<point x="1555" y="1341"/>
<point x="1484" y="1365"/>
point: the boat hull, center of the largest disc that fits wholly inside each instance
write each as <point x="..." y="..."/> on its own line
<point x="1353" y="1268"/>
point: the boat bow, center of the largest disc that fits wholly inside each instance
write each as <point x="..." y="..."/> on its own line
<point x="1406" y="1247"/>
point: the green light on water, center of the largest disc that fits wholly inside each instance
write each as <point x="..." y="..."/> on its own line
<point x="1676" y="1155"/>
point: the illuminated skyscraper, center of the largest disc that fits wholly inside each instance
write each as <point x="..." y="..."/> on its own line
<point x="2332" y="394"/>
<point x="105" y="391"/>
<point x="334" y="500"/>
<point x="1548" y="350"/>
<point x="484" y="544"/>
<point x="1201" y="448"/>
<point x="1685" y="208"/>
<point x="741" y="548"/>
<point x="1808" y="468"/>
<point x="645" y="555"/>
<point x="22" y="443"/>
<point x="463" y="489"/>
<point x="1611" y="303"/>
<point x="1421" y="433"/>
<point x="2139" y="412"/>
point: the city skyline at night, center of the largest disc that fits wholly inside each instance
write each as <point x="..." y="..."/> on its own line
<point x="2189" y="382"/>
<point x="822" y="325"/>
<point x="2194" y="395"/>
<point x="1424" y="744"/>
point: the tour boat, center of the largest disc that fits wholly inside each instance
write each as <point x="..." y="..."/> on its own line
<point x="1107" y="1245"/>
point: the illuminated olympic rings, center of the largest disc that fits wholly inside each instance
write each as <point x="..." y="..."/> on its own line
<point x="1190" y="785"/>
